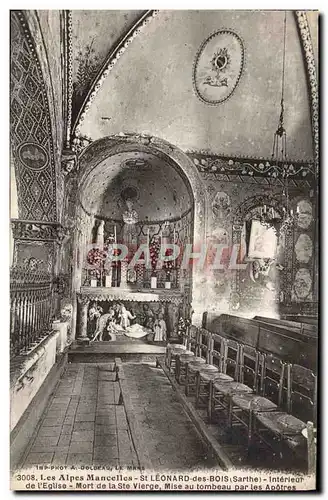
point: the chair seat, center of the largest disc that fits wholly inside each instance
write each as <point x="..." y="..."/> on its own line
<point x="176" y="346"/>
<point x="202" y="367"/>
<point x="246" y="401"/>
<point x="297" y="443"/>
<point x="226" y="387"/>
<point x="195" y="363"/>
<point x="281" y="423"/>
<point x="186" y="356"/>
<point x="207" y="376"/>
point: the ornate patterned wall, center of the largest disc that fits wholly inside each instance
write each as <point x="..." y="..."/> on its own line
<point x="235" y="291"/>
<point x="31" y="134"/>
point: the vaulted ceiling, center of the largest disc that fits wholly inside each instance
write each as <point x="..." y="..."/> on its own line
<point x="150" y="89"/>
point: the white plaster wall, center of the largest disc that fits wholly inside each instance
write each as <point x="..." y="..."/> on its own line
<point x="29" y="376"/>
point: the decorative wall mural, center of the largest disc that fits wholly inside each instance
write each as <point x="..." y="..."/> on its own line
<point x="31" y="134"/>
<point x="302" y="285"/>
<point x="221" y="205"/>
<point x="220" y="235"/>
<point x="305" y="216"/>
<point x="218" y="66"/>
<point x="303" y="248"/>
<point x="33" y="156"/>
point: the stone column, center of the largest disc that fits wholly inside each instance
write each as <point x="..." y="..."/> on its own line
<point x="124" y="269"/>
<point x="108" y="277"/>
<point x="83" y="311"/>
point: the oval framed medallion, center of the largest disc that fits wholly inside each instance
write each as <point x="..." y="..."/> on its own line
<point x="218" y="66"/>
<point x="33" y="156"/>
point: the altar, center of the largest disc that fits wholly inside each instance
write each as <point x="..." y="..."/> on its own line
<point x="145" y="305"/>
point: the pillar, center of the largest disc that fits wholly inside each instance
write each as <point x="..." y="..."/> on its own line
<point x="83" y="311"/>
<point x="124" y="270"/>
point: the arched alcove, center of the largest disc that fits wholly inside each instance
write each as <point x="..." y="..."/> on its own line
<point x="166" y="191"/>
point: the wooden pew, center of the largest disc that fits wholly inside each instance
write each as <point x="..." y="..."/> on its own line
<point x="288" y="343"/>
<point x="310" y="320"/>
<point x="303" y="328"/>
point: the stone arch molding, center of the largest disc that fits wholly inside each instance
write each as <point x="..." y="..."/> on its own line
<point x="109" y="146"/>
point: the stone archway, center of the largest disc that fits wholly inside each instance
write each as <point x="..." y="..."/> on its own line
<point x="106" y="147"/>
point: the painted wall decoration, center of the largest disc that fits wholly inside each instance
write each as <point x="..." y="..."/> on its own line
<point x="33" y="156"/>
<point x="305" y="216"/>
<point x="302" y="285"/>
<point x="221" y="205"/>
<point x="220" y="236"/>
<point x="262" y="242"/>
<point x="31" y="134"/>
<point x="218" y="66"/>
<point x="303" y="248"/>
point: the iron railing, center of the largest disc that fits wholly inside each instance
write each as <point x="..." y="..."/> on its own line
<point x="30" y="309"/>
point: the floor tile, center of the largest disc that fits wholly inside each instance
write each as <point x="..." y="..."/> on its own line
<point x="84" y="426"/>
<point x="38" y="458"/>
<point x="81" y="447"/>
<point x="53" y="422"/>
<point x="105" y="440"/>
<point x="79" y="459"/>
<point x="50" y="431"/>
<point x="85" y="417"/>
<point x="83" y="436"/>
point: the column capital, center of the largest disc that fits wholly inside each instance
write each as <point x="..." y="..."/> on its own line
<point x="83" y="300"/>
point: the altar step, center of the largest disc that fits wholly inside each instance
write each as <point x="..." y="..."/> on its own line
<point x="105" y="352"/>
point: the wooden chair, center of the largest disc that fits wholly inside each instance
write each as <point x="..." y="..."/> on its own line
<point x="310" y="435"/>
<point x="193" y="367"/>
<point x="220" y="391"/>
<point x="284" y="428"/>
<point x="204" y="376"/>
<point x="302" y="404"/>
<point x="265" y="375"/>
<point x="171" y="349"/>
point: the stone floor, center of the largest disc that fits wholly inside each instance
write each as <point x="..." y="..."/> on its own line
<point x="84" y="424"/>
<point x="171" y="438"/>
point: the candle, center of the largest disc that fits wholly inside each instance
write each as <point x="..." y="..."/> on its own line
<point x="265" y="209"/>
<point x="115" y="234"/>
<point x="291" y="212"/>
<point x="297" y="209"/>
<point x="174" y="235"/>
<point x="148" y="237"/>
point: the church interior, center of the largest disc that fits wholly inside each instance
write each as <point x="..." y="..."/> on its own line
<point x="164" y="239"/>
